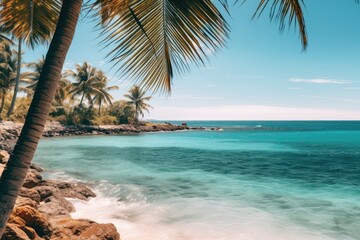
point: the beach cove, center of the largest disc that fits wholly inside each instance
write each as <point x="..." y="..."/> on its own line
<point x="43" y="208"/>
<point x="253" y="180"/>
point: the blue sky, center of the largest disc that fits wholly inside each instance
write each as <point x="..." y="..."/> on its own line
<point x="261" y="74"/>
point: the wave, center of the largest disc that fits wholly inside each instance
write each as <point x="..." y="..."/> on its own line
<point x="137" y="218"/>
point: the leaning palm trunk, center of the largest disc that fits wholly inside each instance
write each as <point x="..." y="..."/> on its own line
<point x="17" y="80"/>
<point x="19" y="163"/>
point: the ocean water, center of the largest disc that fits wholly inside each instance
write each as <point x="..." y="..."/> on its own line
<point x="247" y="181"/>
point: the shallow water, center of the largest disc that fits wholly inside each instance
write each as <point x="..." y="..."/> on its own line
<point x="253" y="180"/>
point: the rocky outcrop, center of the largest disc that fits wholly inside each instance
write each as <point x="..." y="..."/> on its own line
<point x="81" y="229"/>
<point x="42" y="212"/>
<point x="28" y="217"/>
<point x="9" y="131"/>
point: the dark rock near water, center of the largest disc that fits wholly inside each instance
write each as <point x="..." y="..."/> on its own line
<point x="30" y="193"/>
<point x="81" y="229"/>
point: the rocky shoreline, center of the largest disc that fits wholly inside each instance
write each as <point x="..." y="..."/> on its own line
<point x="43" y="212"/>
<point x="9" y="131"/>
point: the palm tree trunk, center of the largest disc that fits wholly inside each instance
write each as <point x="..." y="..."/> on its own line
<point x="136" y="115"/>
<point x="99" y="108"/>
<point x="19" y="163"/>
<point x="82" y="98"/>
<point x="17" y="80"/>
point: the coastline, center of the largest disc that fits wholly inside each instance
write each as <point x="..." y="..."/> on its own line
<point x="42" y="210"/>
<point x="9" y="131"/>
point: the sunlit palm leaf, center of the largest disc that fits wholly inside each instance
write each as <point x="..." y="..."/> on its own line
<point x="286" y="11"/>
<point x="156" y="38"/>
<point x="34" y="21"/>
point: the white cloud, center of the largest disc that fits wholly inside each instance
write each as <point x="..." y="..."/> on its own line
<point x="251" y="112"/>
<point x="319" y="81"/>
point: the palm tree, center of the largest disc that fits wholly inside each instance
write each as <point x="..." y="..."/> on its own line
<point x="19" y="162"/>
<point x="62" y="91"/>
<point x="102" y="95"/>
<point x="137" y="98"/>
<point x="31" y="22"/>
<point x="7" y="71"/>
<point x="35" y="71"/>
<point x="86" y="82"/>
<point x="153" y="38"/>
<point x="122" y="111"/>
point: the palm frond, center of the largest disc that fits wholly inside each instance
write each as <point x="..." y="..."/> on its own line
<point x="155" y="39"/>
<point x="286" y="11"/>
<point x="34" y="21"/>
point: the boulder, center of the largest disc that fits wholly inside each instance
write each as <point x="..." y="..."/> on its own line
<point x="34" y="220"/>
<point x="35" y="167"/>
<point x="71" y="190"/>
<point x="81" y="229"/>
<point x="46" y="191"/>
<point x="33" y="178"/>
<point x="30" y="193"/>
<point x="12" y="231"/>
<point x="2" y="167"/>
<point x="21" y="224"/>
<point x="4" y="156"/>
<point x="56" y="207"/>
<point x="24" y="201"/>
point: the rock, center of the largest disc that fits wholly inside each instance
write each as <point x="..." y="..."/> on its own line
<point x="33" y="178"/>
<point x="46" y="191"/>
<point x="4" y="156"/>
<point x="34" y="220"/>
<point x="21" y="224"/>
<point x="79" y="191"/>
<point x="12" y="231"/>
<point x="35" y="167"/>
<point x="2" y="167"/>
<point x="81" y="229"/>
<point x="23" y="201"/>
<point x="71" y="190"/>
<point x="56" y="207"/>
<point x="30" y="193"/>
<point x="16" y="220"/>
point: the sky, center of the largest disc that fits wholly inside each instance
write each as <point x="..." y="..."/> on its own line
<point x="262" y="74"/>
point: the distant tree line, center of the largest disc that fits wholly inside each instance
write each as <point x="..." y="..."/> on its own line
<point x="82" y="96"/>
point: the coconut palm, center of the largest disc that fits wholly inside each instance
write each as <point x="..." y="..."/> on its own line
<point x="7" y="71"/>
<point x="86" y="82"/>
<point x="152" y="39"/>
<point x="102" y="95"/>
<point x="35" y="70"/>
<point x="62" y="91"/>
<point x="137" y="99"/>
<point x="30" y="22"/>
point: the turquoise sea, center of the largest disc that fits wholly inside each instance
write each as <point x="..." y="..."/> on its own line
<point x="250" y="180"/>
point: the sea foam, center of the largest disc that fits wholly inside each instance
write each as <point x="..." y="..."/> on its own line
<point x="185" y="219"/>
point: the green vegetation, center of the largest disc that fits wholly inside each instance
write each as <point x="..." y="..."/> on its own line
<point x="138" y="100"/>
<point x="153" y="40"/>
<point x="82" y="96"/>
